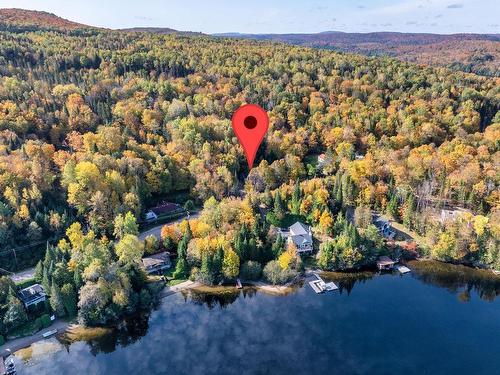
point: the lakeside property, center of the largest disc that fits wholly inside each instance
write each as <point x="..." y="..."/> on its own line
<point x="208" y="320"/>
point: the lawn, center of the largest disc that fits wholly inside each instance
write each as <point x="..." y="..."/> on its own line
<point x="169" y="275"/>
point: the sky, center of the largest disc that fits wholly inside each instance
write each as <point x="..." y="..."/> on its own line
<point x="279" y="16"/>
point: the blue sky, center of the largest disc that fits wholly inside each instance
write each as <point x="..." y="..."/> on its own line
<point x="279" y="16"/>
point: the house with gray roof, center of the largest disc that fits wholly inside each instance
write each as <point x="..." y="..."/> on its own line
<point x="300" y="235"/>
<point x="32" y="295"/>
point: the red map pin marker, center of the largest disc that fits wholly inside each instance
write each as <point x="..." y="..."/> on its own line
<point x="250" y="124"/>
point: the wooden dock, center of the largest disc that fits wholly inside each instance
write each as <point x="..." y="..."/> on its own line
<point x="319" y="285"/>
<point x="403" y="269"/>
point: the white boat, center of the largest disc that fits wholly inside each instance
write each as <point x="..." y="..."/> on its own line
<point x="49" y="333"/>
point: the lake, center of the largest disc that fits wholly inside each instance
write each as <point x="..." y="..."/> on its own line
<point x="440" y="319"/>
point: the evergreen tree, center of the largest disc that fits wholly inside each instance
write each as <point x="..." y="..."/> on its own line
<point x="69" y="299"/>
<point x="278" y="246"/>
<point x="46" y="280"/>
<point x="279" y="209"/>
<point x="181" y="269"/>
<point x="56" y="300"/>
<point x="15" y="316"/>
<point x="206" y="271"/>
<point x="182" y="248"/>
<point x="217" y="264"/>
<point x="392" y="207"/>
<point x="77" y="278"/>
<point x="409" y="212"/>
<point x="38" y="276"/>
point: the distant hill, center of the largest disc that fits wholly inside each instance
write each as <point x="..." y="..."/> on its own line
<point x="157" y="30"/>
<point x="476" y="53"/>
<point x="22" y="18"/>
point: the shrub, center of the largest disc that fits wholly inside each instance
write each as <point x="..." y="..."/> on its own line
<point x="45" y="320"/>
<point x="276" y="275"/>
<point x="251" y="270"/>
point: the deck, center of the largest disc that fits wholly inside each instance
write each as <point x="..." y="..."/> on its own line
<point x="403" y="269"/>
<point x="319" y="285"/>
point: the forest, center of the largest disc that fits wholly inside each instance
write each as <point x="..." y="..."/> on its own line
<point x="97" y="125"/>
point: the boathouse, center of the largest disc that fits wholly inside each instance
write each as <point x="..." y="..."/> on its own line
<point x="385" y="263"/>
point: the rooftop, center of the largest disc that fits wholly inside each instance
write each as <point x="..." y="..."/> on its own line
<point x="156" y="260"/>
<point x="31" y="293"/>
<point x="165" y="208"/>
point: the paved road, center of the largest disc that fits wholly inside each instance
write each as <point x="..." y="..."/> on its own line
<point x="156" y="231"/>
<point x="23" y="342"/>
<point x="62" y="326"/>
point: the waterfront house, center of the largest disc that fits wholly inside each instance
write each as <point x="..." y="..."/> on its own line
<point x="300" y="235"/>
<point x="385" y="263"/>
<point x="157" y="263"/>
<point x="32" y="295"/>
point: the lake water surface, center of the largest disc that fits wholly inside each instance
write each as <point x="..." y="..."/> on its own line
<point x="437" y="320"/>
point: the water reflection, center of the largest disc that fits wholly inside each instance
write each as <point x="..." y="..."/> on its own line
<point x="460" y="280"/>
<point x="129" y="331"/>
<point x="347" y="280"/>
<point x="217" y="296"/>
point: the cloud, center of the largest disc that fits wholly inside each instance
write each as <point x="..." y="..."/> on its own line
<point x="439" y="16"/>
<point x="455" y="6"/>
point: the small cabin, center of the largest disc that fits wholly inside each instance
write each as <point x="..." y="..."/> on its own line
<point x="385" y="263"/>
<point x="32" y="295"/>
<point x="164" y="208"/>
<point x="157" y="263"/>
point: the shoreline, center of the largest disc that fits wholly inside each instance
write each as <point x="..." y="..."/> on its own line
<point x="63" y="326"/>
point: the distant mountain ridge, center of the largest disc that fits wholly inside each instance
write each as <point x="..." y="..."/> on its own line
<point x="475" y="53"/>
<point x="158" y="30"/>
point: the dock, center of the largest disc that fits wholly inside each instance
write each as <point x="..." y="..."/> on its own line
<point x="319" y="285"/>
<point x="238" y="284"/>
<point x="403" y="269"/>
